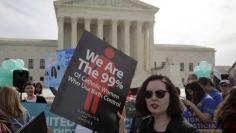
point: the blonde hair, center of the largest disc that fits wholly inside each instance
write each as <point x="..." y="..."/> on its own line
<point x="10" y="102"/>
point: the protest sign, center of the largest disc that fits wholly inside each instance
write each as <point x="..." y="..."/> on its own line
<point x="36" y="125"/>
<point x="54" y="122"/>
<point x="55" y="66"/>
<point x="202" y="127"/>
<point x="95" y="85"/>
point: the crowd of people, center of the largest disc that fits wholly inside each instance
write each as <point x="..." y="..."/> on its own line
<point x="33" y="92"/>
<point x="13" y="115"/>
<point x="159" y="106"/>
<point x="213" y="107"/>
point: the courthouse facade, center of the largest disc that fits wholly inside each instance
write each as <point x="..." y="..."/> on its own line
<point x="124" y="24"/>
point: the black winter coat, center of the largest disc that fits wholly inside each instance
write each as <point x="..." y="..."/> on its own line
<point x="175" y="126"/>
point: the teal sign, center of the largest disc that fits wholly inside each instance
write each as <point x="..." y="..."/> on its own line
<point x="56" y="123"/>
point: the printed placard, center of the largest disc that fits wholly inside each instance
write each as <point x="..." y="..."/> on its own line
<point x="95" y="85"/>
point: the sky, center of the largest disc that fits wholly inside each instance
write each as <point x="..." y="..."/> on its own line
<point x="209" y="23"/>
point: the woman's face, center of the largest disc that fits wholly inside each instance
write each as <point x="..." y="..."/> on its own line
<point x="29" y="89"/>
<point x="38" y="88"/>
<point x="225" y="88"/>
<point x="157" y="97"/>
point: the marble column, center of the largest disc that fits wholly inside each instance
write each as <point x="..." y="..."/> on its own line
<point x="60" y="33"/>
<point x="151" y="43"/>
<point x="74" y="32"/>
<point x="114" y="33"/>
<point x="127" y="37"/>
<point x="100" y="28"/>
<point x="87" y="22"/>
<point x="139" y="45"/>
<point x="146" y="47"/>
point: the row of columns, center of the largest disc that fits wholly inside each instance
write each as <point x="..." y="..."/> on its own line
<point x="139" y="48"/>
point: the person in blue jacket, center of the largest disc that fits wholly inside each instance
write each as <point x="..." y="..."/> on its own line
<point x="209" y="88"/>
<point x="201" y="105"/>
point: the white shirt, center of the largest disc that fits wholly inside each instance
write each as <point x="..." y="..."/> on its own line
<point x="32" y="100"/>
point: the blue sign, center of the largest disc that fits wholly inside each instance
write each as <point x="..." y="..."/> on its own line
<point x="207" y="127"/>
<point x="55" y="66"/>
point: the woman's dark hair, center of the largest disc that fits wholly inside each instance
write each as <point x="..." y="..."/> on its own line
<point x="192" y="76"/>
<point x="178" y="90"/>
<point x="198" y="92"/>
<point x="174" y="108"/>
<point x="41" y="88"/>
<point x="232" y="74"/>
<point x="29" y="83"/>
<point x="205" y="81"/>
<point x="54" y="72"/>
<point x="227" y="107"/>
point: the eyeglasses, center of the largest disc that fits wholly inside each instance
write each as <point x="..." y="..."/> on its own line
<point x="159" y="93"/>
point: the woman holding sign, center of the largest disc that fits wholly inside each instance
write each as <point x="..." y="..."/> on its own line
<point x="159" y="104"/>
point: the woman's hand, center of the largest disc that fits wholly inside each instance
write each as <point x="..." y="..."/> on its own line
<point x="205" y="117"/>
<point x="122" y="121"/>
<point x="188" y="103"/>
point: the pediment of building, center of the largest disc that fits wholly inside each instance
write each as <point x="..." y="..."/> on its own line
<point x="129" y="4"/>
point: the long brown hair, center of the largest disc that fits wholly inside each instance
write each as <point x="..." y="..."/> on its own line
<point x="10" y="102"/>
<point x="198" y="92"/>
<point x="227" y="107"/>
